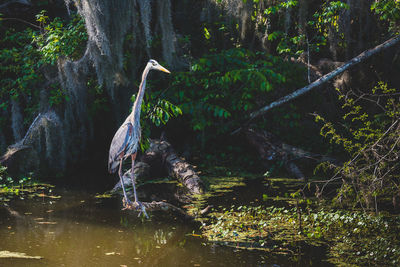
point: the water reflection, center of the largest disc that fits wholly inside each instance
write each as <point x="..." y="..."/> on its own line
<point x="79" y="230"/>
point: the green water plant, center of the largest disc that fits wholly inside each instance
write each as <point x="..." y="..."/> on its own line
<point x="22" y="187"/>
<point x="352" y="237"/>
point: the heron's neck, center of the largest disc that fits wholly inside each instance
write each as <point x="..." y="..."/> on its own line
<point x="135" y="114"/>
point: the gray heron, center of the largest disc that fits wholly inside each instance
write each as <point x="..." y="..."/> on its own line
<point x="126" y="140"/>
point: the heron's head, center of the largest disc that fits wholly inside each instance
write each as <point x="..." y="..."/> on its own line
<point x="154" y="65"/>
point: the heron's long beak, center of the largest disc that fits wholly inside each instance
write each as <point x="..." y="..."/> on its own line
<point x="163" y="69"/>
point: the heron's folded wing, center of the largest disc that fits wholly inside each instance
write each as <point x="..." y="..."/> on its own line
<point x="118" y="145"/>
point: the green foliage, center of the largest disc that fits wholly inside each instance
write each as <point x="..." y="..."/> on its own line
<point x="159" y="111"/>
<point x="23" y="54"/>
<point x="370" y="135"/>
<point x="221" y="89"/>
<point x="359" y="238"/>
<point x="329" y="16"/>
<point x="19" y="71"/>
<point x="57" y="95"/>
<point x="277" y="6"/>
<point x="9" y="185"/>
<point x="59" y="38"/>
<point x="325" y="22"/>
<point x="156" y="110"/>
<point x="286" y="43"/>
<point x="389" y="11"/>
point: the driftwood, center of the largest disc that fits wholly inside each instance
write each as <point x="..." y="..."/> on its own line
<point x="271" y="148"/>
<point x="160" y="159"/>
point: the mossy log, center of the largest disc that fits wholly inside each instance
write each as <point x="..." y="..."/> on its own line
<point x="175" y="166"/>
<point x="161" y="159"/>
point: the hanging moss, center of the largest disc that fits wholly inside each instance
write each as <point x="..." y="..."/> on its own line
<point x="145" y="15"/>
<point x="64" y="132"/>
<point x="168" y="35"/>
<point x="16" y="120"/>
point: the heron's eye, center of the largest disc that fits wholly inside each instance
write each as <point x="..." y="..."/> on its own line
<point x="154" y="64"/>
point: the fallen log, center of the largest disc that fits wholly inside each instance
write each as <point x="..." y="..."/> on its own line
<point x="361" y="57"/>
<point x="271" y="148"/>
<point x="327" y="77"/>
<point x="177" y="167"/>
<point x="161" y="157"/>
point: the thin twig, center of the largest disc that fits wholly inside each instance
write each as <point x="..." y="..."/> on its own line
<point x="23" y="21"/>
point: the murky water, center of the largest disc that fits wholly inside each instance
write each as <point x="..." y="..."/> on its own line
<point x="80" y="230"/>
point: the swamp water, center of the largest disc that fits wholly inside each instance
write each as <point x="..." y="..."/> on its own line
<point x="78" y="229"/>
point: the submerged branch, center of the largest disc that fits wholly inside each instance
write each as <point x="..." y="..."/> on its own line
<point x="157" y="205"/>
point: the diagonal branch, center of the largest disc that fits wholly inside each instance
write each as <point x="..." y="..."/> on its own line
<point x="23" y="21"/>
<point x="361" y="57"/>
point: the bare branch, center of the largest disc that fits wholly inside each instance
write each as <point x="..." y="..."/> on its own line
<point x="23" y="21"/>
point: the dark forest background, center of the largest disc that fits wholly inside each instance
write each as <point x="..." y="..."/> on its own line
<point x="70" y="70"/>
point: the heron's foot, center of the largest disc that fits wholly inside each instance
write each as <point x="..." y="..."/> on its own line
<point x="127" y="203"/>
<point x="141" y="208"/>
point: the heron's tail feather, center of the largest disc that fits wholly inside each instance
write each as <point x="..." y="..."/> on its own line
<point x="113" y="166"/>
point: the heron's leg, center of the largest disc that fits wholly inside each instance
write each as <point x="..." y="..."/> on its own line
<point x="122" y="181"/>
<point x="133" y="178"/>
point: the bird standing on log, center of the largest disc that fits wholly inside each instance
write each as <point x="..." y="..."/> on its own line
<point x="126" y="139"/>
